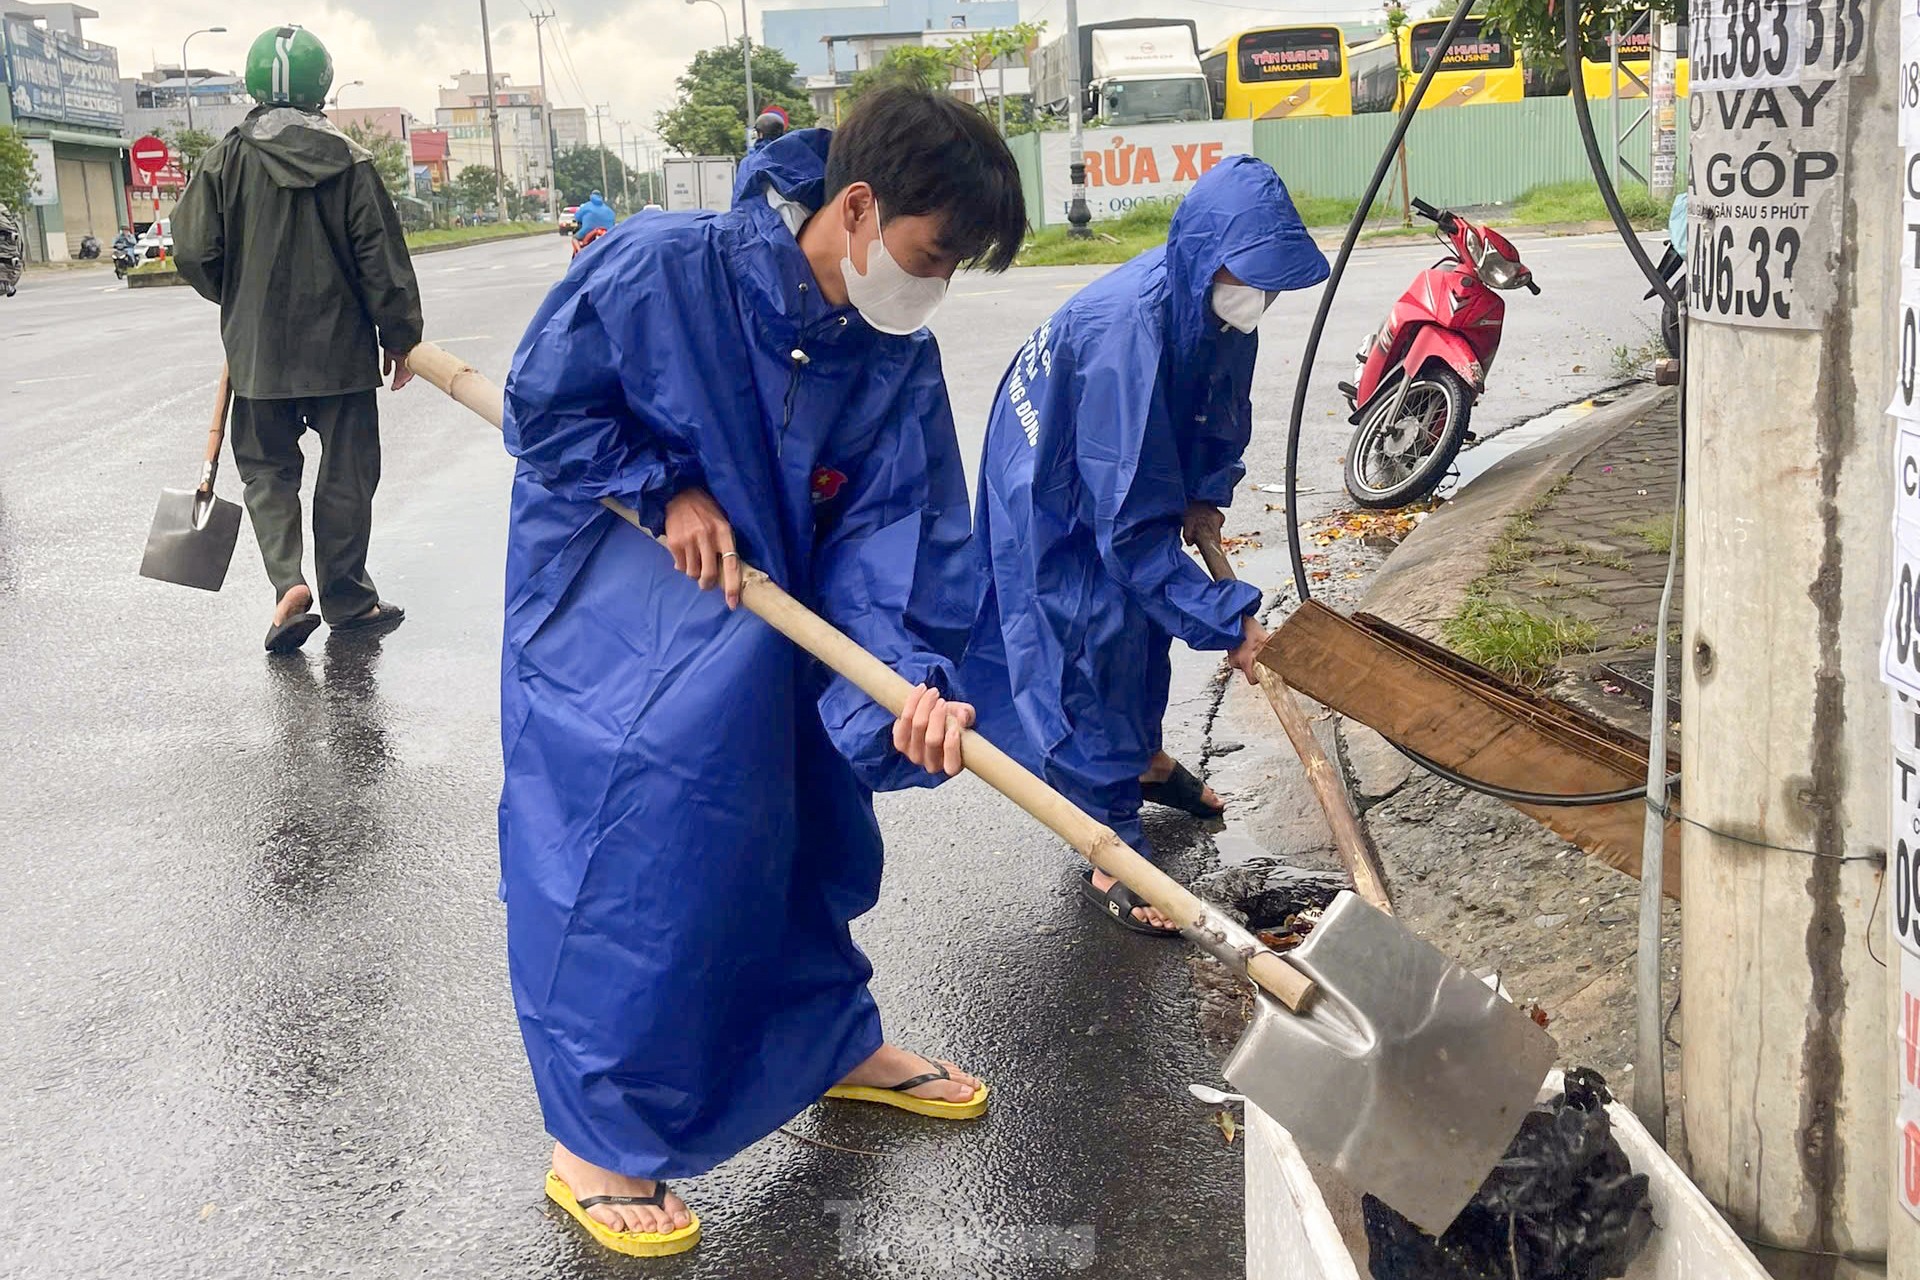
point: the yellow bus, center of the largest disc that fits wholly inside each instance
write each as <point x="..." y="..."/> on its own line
<point x="1481" y="66"/>
<point x="1276" y="73"/>
<point x="1636" y="59"/>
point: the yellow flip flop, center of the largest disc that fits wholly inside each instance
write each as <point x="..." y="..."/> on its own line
<point x="897" y="1096"/>
<point x="637" y="1244"/>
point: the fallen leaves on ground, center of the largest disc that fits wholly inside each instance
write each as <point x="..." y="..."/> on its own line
<point x="1224" y="1121"/>
<point x="1241" y="541"/>
<point x="1538" y="1014"/>
<point x="1392" y="526"/>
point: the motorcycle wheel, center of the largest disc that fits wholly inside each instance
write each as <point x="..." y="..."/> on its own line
<point x="1393" y="463"/>
<point x="1672" y="316"/>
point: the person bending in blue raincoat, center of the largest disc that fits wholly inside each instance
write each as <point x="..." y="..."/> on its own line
<point x="686" y="822"/>
<point x="1118" y="428"/>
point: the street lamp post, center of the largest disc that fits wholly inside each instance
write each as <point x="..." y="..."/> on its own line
<point x="186" y="76"/>
<point x="343" y="88"/>
<point x="725" y="30"/>
<point x="746" y="53"/>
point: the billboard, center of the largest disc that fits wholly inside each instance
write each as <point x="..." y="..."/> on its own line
<point x="1144" y="164"/>
<point x="59" y="78"/>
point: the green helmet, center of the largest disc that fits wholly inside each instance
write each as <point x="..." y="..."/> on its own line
<point x="289" y="67"/>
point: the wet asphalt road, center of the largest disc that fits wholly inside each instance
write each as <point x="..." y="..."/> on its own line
<point x="256" y="1010"/>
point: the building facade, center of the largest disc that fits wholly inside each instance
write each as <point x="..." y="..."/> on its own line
<point x="525" y="117"/>
<point x="802" y="34"/>
<point x="62" y="92"/>
<point x="848" y="54"/>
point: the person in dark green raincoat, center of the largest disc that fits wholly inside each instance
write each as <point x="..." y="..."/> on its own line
<point x="286" y="225"/>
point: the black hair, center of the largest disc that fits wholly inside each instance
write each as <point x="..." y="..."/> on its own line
<point x="925" y="153"/>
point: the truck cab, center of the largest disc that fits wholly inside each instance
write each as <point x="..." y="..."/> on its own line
<point x="1135" y="71"/>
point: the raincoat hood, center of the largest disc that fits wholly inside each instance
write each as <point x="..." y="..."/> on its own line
<point x="1238" y="216"/>
<point x="794" y="165"/>
<point x="299" y="148"/>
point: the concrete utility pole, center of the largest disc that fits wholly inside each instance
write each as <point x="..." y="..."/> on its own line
<point x="493" y="115"/>
<point x="1078" y="215"/>
<point x="540" y="20"/>
<point x="626" y="191"/>
<point x="746" y="54"/>
<point x="1788" y="1056"/>
<point x="186" y="75"/>
<point x="600" y="136"/>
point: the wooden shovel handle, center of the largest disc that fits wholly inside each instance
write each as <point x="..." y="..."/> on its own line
<point x="1349" y="836"/>
<point x="217" y="430"/>
<point x="765" y="598"/>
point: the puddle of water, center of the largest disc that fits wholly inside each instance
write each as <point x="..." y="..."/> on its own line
<point x="1475" y="462"/>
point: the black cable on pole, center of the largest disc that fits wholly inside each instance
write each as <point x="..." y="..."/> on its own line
<point x="1570" y="52"/>
<point x="1295" y="551"/>
<point x="1333" y="285"/>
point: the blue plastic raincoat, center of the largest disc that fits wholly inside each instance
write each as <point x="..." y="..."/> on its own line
<point x="595" y="215"/>
<point x="686" y="826"/>
<point x="1126" y="405"/>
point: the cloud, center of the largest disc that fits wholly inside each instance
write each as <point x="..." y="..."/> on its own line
<point x="625" y="55"/>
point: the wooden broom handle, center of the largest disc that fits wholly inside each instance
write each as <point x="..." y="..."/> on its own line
<point x="1349" y="836"/>
<point x="216" y="431"/>
<point x="764" y="597"/>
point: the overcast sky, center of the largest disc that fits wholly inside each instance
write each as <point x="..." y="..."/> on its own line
<point x="625" y="53"/>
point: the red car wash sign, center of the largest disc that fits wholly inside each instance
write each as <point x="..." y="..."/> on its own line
<point x="149" y="155"/>
<point x="1143" y="164"/>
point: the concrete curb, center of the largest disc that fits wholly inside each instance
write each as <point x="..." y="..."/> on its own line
<point x="1424" y="581"/>
<point x="156" y="280"/>
<point x="480" y="240"/>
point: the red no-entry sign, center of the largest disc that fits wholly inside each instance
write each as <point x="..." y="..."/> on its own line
<point x="149" y="155"/>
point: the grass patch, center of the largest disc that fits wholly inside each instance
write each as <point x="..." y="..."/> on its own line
<point x="474" y="235"/>
<point x="1125" y="238"/>
<point x="1656" y="532"/>
<point x="154" y="267"/>
<point x="1588" y="554"/>
<point x="1580" y="202"/>
<point x="1628" y="362"/>
<point x="1514" y="642"/>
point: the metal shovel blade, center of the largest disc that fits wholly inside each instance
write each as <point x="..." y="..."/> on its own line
<point x="191" y="542"/>
<point x="1406" y="1074"/>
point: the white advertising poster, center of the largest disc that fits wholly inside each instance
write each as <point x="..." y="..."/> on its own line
<point x="1765" y="197"/>
<point x="46" y="189"/>
<point x="1128" y="167"/>
<point x="1906" y="1124"/>
<point x="1903" y="835"/>
<point x="1907" y="90"/>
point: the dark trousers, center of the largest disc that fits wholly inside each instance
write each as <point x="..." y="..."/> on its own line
<point x="266" y="448"/>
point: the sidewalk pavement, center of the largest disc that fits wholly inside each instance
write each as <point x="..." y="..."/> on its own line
<point x="1564" y="532"/>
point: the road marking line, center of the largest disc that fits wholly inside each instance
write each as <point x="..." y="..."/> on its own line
<point x="982" y="293"/>
<point x="65" y="377"/>
<point x="472" y="337"/>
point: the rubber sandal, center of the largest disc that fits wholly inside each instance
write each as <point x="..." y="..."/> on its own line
<point x="1118" y="903"/>
<point x="379" y="618"/>
<point x="635" y="1244"/>
<point x="285" y="637"/>
<point x="1181" y="790"/>
<point x="897" y="1096"/>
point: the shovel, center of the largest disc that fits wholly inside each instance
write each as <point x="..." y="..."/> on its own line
<point x="191" y="542"/>
<point x="1387" y="1060"/>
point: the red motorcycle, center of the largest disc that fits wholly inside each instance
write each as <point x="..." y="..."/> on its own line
<point x="1418" y="378"/>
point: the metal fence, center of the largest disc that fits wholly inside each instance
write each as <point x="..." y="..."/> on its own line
<point x="1462" y="156"/>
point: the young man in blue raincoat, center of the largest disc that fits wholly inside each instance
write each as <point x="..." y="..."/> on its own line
<point x="1119" y="428"/>
<point x="686" y="823"/>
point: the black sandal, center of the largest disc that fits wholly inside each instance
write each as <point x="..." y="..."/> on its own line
<point x="1118" y="903"/>
<point x="1181" y="790"/>
<point x="384" y="614"/>
<point x="285" y="637"/>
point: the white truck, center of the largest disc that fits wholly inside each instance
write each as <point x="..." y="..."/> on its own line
<point x="1135" y="71"/>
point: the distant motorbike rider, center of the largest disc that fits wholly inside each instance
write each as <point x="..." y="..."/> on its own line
<point x="124" y="241"/>
<point x="593" y="218"/>
<point x="768" y="128"/>
<point x="287" y="226"/>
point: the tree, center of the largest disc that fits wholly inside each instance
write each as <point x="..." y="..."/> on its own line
<point x="1537" y="25"/>
<point x="17" y="177"/>
<point x="474" y="188"/>
<point x="391" y="158"/>
<point x="916" y="66"/>
<point x="576" y="174"/>
<point x="189" y="145"/>
<point x="709" y="113"/>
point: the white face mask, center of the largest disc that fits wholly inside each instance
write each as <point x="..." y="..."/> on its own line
<point x="1240" y="306"/>
<point x="888" y="297"/>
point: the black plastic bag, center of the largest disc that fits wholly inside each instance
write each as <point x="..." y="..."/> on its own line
<point x="1562" y="1204"/>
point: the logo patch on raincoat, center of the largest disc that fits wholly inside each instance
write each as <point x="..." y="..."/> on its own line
<point x="827" y="483"/>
